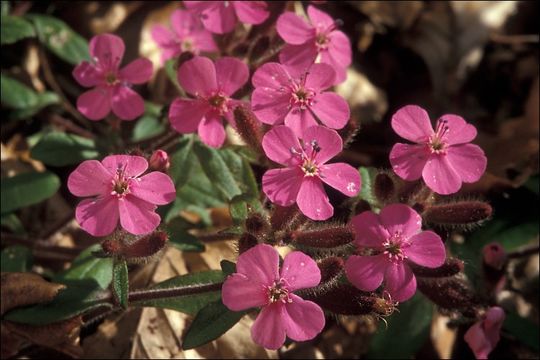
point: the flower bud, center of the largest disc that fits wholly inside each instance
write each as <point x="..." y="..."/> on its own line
<point x="450" y="293"/>
<point x="331" y="269"/>
<point x="159" y="161"/>
<point x="361" y="206"/>
<point x="383" y="187"/>
<point x="146" y="246"/>
<point x="458" y="213"/>
<point x="257" y="224"/>
<point x="246" y="242"/>
<point x="325" y="237"/>
<point x="286" y="218"/>
<point x="349" y="131"/>
<point x="494" y="255"/>
<point x="249" y="127"/>
<point x="451" y="267"/>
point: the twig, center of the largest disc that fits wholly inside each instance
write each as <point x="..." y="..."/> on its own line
<point x="70" y="126"/>
<point x="524" y="252"/>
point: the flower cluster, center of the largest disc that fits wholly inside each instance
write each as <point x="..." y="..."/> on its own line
<point x="290" y="114"/>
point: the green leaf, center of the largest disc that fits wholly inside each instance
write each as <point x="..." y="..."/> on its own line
<point x="80" y="296"/>
<point x="523" y="329"/>
<point x="228" y="267"/>
<point x="4" y="7"/>
<point x="15" y="28"/>
<point x="170" y="69"/>
<point x="88" y="267"/>
<point x="366" y="193"/>
<point x="189" y="304"/>
<point x="407" y="331"/>
<point x="60" y="39"/>
<point x="181" y="238"/>
<point x="27" y="189"/>
<point x="181" y="160"/>
<point x="15" y="94"/>
<point x="17" y="259"/>
<point x="120" y="283"/>
<point x="211" y="322"/>
<point x="44" y="99"/>
<point x="60" y="149"/>
<point x="12" y="222"/>
<point x="148" y="125"/>
<point x="216" y="170"/>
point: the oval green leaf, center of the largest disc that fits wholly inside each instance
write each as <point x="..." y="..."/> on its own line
<point x="120" y="283"/>
<point x="60" y="149"/>
<point x="27" y="189"/>
<point x="14" y="28"/>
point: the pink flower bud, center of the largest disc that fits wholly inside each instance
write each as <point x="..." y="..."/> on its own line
<point x="494" y="255"/>
<point x="159" y="161"/>
<point x="483" y="336"/>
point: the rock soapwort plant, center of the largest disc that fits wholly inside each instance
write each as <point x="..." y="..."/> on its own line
<point x="257" y="126"/>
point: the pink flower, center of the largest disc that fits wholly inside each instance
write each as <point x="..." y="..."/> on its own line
<point x="443" y="158"/>
<point x="306" y="41"/>
<point x="188" y="34"/>
<point x="111" y="85"/>
<point x="301" y="180"/>
<point x="396" y="238"/>
<point x="259" y="283"/>
<point x="211" y="85"/>
<point x="159" y="161"/>
<point x="483" y="336"/>
<point x="280" y="96"/>
<point x="119" y="193"/>
<point x="220" y="17"/>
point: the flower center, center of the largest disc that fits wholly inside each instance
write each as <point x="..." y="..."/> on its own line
<point x="219" y="102"/>
<point x="437" y="142"/>
<point x="321" y="40"/>
<point x="111" y="78"/>
<point x="278" y="292"/>
<point x="187" y="44"/>
<point x="307" y="160"/>
<point x="120" y="183"/>
<point x="393" y="247"/>
<point x="302" y="97"/>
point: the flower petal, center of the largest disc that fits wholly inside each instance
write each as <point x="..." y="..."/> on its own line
<point x="303" y="319"/>
<point x="299" y="120"/>
<point x="95" y="104"/>
<point x="184" y="23"/>
<point x="300" y="271"/>
<point x="89" y="178"/>
<point x="137" y="216"/>
<point x="399" y="281"/>
<point x="366" y="272"/>
<point x="476" y="338"/>
<point x="459" y="131"/>
<point x="468" y="160"/>
<point x="339" y="49"/>
<point x="426" y="249"/>
<point x="278" y="144"/>
<point x="319" y="18"/>
<point x="329" y="142"/>
<point x="98" y="217"/>
<point x="331" y="109"/>
<point x="320" y="77"/>
<point x="269" y="105"/>
<point x="240" y="293"/>
<point x="342" y="177"/>
<point x="155" y="188"/>
<point x="260" y="264"/>
<point x="219" y="19"/>
<point x="203" y="41"/>
<point x="126" y="103"/>
<point x="408" y="161"/>
<point x="299" y="56"/>
<point x="87" y="75"/>
<point x="411" y="122"/>
<point x="138" y="71"/>
<point x="440" y="176"/>
<point x="186" y="114"/>
<point x="282" y="185"/>
<point x="251" y="12"/>
<point x="198" y="76"/>
<point x="293" y="29"/>
<point x="313" y="201"/>
<point x="231" y="74"/>
<point x="132" y="165"/>
<point x="400" y="218"/>
<point x="369" y="230"/>
<point x="162" y="36"/>
<point x="107" y="50"/>
<point x="273" y="75"/>
<point x="268" y="330"/>
<point x="211" y="130"/>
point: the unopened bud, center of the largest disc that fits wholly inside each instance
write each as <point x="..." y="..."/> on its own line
<point x="361" y="206"/>
<point x="494" y="255"/>
<point x="331" y="269"/>
<point x="159" y="161"/>
<point x="458" y="213"/>
<point x="286" y="218"/>
<point x="146" y="246"/>
<point x="349" y="131"/>
<point x="246" y="242"/>
<point x="451" y="267"/>
<point x="384" y="187"/>
<point x="257" y="224"/>
<point x="112" y="247"/>
<point x="249" y="127"/>
<point x="324" y="238"/>
<point x="450" y="293"/>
